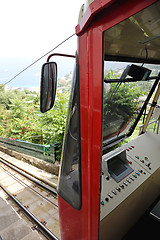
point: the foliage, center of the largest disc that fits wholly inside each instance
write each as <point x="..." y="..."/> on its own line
<point x="21" y="119"/>
<point x="121" y="101"/>
<point x="7" y="96"/>
<point x="53" y="122"/>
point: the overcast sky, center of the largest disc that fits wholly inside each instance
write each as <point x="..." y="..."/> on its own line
<point x="30" y="28"/>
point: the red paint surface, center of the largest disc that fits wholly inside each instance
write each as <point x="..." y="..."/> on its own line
<point x="84" y="224"/>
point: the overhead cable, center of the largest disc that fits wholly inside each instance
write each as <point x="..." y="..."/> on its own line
<point x="38" y="59"/>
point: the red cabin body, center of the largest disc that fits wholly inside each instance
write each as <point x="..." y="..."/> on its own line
<point x="82" y="220"/>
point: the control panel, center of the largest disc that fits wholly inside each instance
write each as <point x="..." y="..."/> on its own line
<point x="145" y="150"/>
<point x="126" y="169"/>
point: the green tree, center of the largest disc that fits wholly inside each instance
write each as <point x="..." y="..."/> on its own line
<point x="121" y="100"/>
<point x="22" y="119"/>
<point x="17" y="108"/>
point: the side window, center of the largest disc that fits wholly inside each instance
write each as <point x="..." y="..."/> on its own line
<point x="69" y="187"/>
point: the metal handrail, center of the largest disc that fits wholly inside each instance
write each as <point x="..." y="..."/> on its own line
<point x="154" y="121"/>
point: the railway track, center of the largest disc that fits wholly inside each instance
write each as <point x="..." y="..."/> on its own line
<point x="37" y="200"/>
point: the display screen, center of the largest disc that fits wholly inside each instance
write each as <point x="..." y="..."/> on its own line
<point x="118" y="169"/>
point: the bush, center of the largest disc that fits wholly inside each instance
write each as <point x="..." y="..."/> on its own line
<point x="21" y="119"/>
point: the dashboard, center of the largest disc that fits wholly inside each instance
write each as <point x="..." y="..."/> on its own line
<point x="130" y="182"/>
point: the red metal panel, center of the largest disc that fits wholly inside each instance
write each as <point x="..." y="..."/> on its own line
<point x="70" y="221"/>
<point x="95" y="95"/>
<point x="83" y="224"/>
<point x="95" y="7"/>
<point x="74" y="223"/>
<point x="84" y="102"/>
<point x="90" y="62"/>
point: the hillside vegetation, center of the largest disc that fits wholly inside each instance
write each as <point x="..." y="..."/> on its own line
<point x="21" y="119"/>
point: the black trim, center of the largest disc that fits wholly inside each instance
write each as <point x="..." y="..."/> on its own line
<point x="111" y="143"/>
<point x="130" y="59"/>
<point x="129" y="80"/>
<point x="54" y="87"/>
<point x="80" y="182"/>
<point x="153" y="104"/>
<point x="144" y="105"/>
<point x="79" y="123"/>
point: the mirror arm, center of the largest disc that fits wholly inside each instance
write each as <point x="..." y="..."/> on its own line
<point x="61" y="55"/>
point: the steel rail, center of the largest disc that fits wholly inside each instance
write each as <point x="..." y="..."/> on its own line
<point x="29" y="177"/>
<point x="26" y="185"/>
<point x="44" y="230"/>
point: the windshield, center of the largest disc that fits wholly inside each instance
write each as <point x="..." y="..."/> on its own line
<point x="123" y="99"/>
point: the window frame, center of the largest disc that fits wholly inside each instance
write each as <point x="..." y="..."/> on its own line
<point x="156" y="78"/>
<point x="74" y="90"/>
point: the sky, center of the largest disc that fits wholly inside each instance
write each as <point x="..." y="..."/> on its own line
<point x="29" y="29"/>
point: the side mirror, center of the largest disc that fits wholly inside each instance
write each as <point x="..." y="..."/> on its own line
<point x="48" y="86"/>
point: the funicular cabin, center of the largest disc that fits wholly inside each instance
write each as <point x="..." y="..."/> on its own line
<point x="109" y="177"/>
